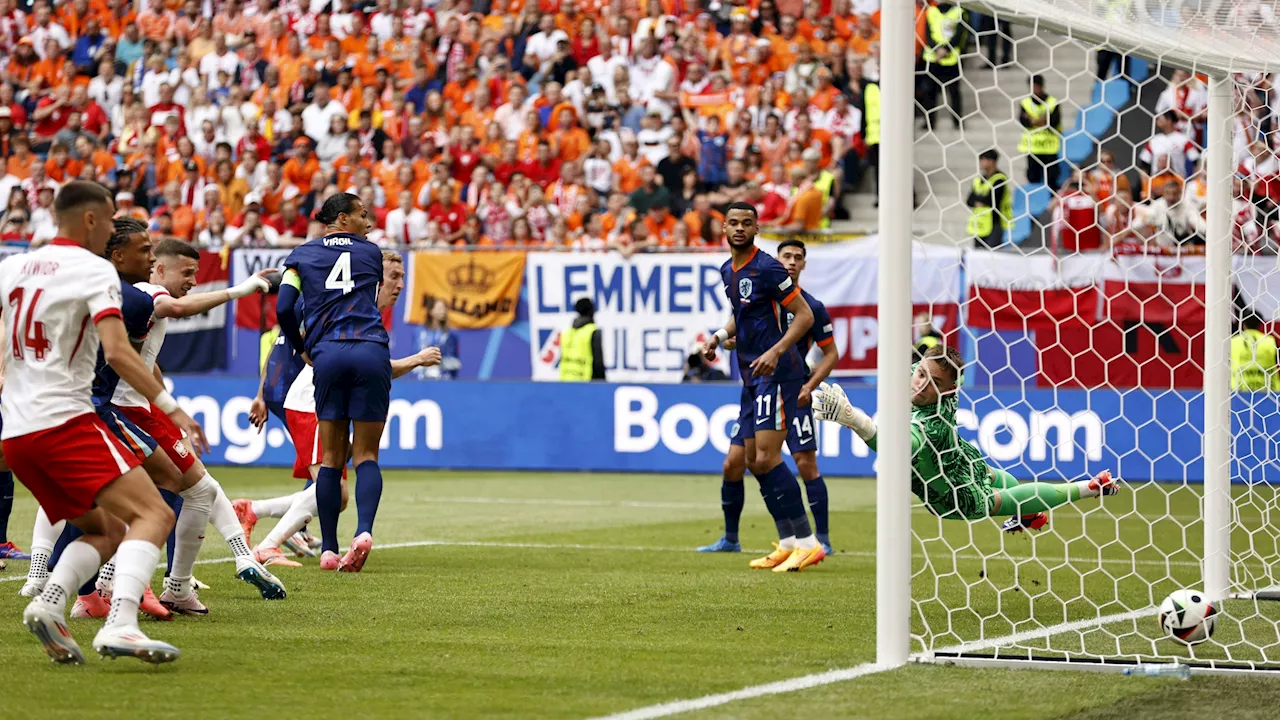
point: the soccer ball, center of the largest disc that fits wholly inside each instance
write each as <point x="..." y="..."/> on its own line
<point x="1188" y="617"/>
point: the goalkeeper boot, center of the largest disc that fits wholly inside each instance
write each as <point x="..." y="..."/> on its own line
<point x="772" y="560"/>
<point x="802" y="558"/>
<point x="1018" y="523"/>
<point x="723" y="545"/>
<point x="1104" y="484"/>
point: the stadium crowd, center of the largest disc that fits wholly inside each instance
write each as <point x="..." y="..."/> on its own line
<point x="565" y="123"/>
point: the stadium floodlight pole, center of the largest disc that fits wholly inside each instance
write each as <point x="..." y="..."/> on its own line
<point x="893" y="401"/>
<point x="1217" y="329"/>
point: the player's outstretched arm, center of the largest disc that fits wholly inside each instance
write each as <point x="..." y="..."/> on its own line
<point x="197" y="303"/>
<point x="287" y="309"/>
<point x="128" y="364"/>
<point x="801" y="322"/>
<point x="426" y="357"/>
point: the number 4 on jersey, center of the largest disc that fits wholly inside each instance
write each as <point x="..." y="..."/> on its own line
<point x="340" y="276"/>
<point x="33" y="336"/>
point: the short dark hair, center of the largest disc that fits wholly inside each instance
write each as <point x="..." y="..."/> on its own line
<point x="1251" y="321"/>
<point x="176" y="248"/>
<point x="949" y="358"/>
<point x="992" y="155"/>
<point x="78" y="193"/>
<point x="125" y="228"/>
<point x="740" y="205"/>
<point x="337" y="204"/>
<point x="584" y="307"/>
<point x="792" y="242"/>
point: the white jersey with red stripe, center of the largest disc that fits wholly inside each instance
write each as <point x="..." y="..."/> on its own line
<point x="125" y="395"/>
<point x="53" y="298"/>
<point x="302" y="393"/>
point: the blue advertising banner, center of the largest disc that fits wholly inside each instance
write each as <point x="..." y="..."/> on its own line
<point x="686" y="428"/>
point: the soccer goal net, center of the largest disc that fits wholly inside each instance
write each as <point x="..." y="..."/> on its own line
<point x="1107" y="173"/>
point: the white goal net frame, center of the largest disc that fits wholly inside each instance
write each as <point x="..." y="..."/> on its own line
<point x="931" y="610"/>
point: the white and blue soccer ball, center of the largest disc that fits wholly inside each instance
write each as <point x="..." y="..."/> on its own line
<point x="1188" y="617"/>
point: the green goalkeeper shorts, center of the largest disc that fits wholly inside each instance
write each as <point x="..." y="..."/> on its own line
<point x="964" y="499"/>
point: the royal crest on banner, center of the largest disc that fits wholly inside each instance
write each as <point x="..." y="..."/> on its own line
<point x="481" y="289"/>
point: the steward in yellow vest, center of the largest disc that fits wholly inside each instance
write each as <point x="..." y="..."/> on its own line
<point x="1253" y="358"/>
<point x="581" y="350"/>
<point x="990" y="203"/>
<point x="945" y="38"/>
<point x="1041" y="119"/>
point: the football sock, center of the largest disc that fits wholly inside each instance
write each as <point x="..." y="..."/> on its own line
<point x="299" y="514"/>
<point x="790" y="501"/>
<point x="816" y="491"/>
<point x="1033" y="497"/>
<point x="770" y="497"/>
<point x="732" y="500"/>
<point x="329" y="505"/>
<point x="79" y="561"/>
<point x="223" y="517"/>
<point x="197" y="507"/>
<point x="43" y="536"/>
<point x="107" y="575"/>
<point x="135" y="563"/>
<point x="174" y="501"/>
<point x="368" y="494"/>
<point x="273" y="507"/>
<point x="6" y="504"/>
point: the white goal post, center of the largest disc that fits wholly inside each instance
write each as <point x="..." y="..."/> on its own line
<point x="1214" y="38"/>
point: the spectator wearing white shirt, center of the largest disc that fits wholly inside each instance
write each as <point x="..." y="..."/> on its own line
<point x="107" y="87"/>
<point x="653" y="79"/>
<point x="45" y="28"/>
<point x="510" y="115"/>
<point x="220" y="59"/>
<point x="407" y="224"/>
<point x="380" y="22"/>
<point x="1169" y="141"/>
<point x="603" y="67"/>
<point x="333" y="143"/>
<point x="1175" y="221"/>
<point x="1188" y="99"/>
<point x="318" y="117"/>
<point x="543" y="43"/>
<point x="653" y="138"/>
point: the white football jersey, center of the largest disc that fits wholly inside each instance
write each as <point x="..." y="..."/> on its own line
<point x="53" y="297"/>
<point x="302" y="393"/>
<point x="125" y="395"/>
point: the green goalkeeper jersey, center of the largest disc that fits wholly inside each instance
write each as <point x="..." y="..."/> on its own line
<point x="947" y="473"/>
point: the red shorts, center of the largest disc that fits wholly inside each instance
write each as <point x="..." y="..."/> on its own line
<point x="304" y="428"/>
<point x="65" y="467"/>
<point x="161" y="429"/>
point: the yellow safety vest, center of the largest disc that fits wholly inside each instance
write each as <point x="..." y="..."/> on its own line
<point x="927" y="342"/>
<point x="265" y="344"/>
<point x="1044" y="140"/>
<point x="1253" y="362"/>
<point x="942" y="28"/>
<point x="982" y="219"/>
<point x="575" y="353"/>
<point x="826" y="182"/>
<point x="871" y="113"/>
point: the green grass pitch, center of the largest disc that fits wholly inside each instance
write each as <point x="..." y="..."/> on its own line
<point x="576" y="596"/>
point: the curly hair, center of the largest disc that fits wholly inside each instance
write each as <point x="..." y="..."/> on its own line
<point x="125" y="227"/>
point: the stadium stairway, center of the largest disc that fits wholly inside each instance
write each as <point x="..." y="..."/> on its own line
<point x="947" y="159"/>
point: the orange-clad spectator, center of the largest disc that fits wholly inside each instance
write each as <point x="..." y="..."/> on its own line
<point x="479" y="117"/>
<point x="321" y="44"/>
<point x="121" y="17"/>
<point x="824" y="95"/>
<point x="51" y="72"/>
<point x="125" y="207"/>
<point x="22" y="159"/>
<point x="784" y="47"/>
<point x="1105" y="180"/>
<point x="276" y="41"/>
<point x="22" y="65"/>
<point x="617" y="215"/>
<point x="700" y="220"/>
<point x="460" y="92"/>
<point x="347" y="163"/>
<point x="437" y="117"/>
<point x="290" y="62"/>
<point x="863" y="44"/>
<point x="805" y="207"/>
<point x="569" y="19"/>
<point x="231" y="189"/>
<point x="356" y="43"/>
<point x="473" y="233"/>
<point x="61" y="167"/>
<point x="183" y="217"/>
<point x="93" y="154"/>
<point x="626" y="170"/>
<point x="156" y="21"/>
<point x="572" y="141"/>
<point x="527" y="142"/>
<point x="386" y="169"/>
<point x="231" y="22"/>
<point x="299" y="168"/>
<point x="735" y="50"/>
<point x="660" y="225"/>
<point x="809" y="23"/>
<point x="1163" y="174"/>
<point x="705" y="28"/>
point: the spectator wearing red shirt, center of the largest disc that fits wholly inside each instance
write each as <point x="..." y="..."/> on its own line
<point x="93" y="119"/>
<point x="288" y="221"/>
<point x="449" y="215"/>
<point x="254" y="140"/>
<point x="508" y="164"/>
<point x="545" y="169"/>
<point x="465" y="155"/>
<point x="50" y="117"/>
<point x="1076" y="221"/>
<point x="769" y="205"/>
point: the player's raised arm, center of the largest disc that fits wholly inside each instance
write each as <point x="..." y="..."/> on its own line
<point x="168" y="306"/>
<point x="128" y="364"/>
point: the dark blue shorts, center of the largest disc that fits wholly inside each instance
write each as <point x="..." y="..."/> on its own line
<point x="773" y="406"/>
<point x="353" y="380"/>
<point x="133" y="437"/>
<point x="277" y="409"/>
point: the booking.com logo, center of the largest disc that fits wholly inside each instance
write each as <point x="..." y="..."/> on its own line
<point x="640" y="425"/>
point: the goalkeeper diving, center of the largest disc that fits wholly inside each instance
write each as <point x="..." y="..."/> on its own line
<point x="950" y="474"/>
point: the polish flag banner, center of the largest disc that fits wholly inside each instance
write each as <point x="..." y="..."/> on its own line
<point x="1155" y="286"/>
<point x="1013" y="291"/>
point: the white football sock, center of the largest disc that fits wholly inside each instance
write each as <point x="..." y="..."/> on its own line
<point x="135" y="564"/>
<point x="787" y="543"/>
<point x="78" y="563"/>
<point x="224" y="519"/>
<point x="107" y="575"/>
<point x="43" y="537"/>
<point x="807" y="543"/>
<point x="304" y="508"/>
<point x="273" y="507"/>
<point x="197" y="504"/>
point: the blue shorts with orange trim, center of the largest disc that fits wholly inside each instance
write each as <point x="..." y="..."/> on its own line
<point x="775" y="406"/>
<point x="134" y="438"/>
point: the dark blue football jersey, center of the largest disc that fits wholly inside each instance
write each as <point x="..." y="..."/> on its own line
<point x="822" y="333"/>
<point x="758" y="292"/>
<point x="138" y="309"/>
<point x="340" y="275"/>
<point x="283" y="365"/>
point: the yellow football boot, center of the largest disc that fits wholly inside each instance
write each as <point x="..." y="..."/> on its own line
<point x="772" y="560"/>
<point x="801" y="559"/>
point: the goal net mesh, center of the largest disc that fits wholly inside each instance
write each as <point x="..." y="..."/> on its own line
<point x="1082" y="321"/>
